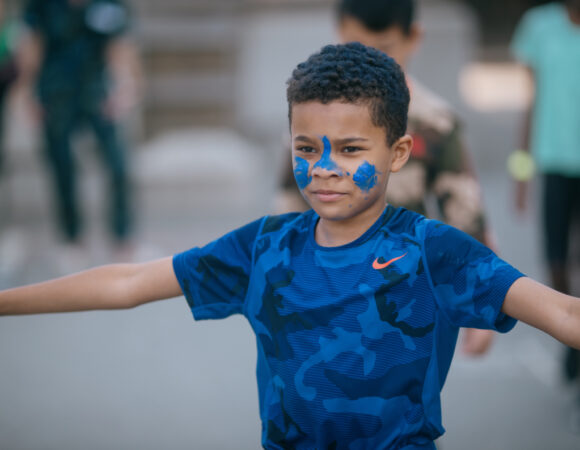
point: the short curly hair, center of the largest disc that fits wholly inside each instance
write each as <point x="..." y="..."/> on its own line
<point x="354" y="73"/>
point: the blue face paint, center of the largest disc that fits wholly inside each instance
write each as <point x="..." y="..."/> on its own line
<point x="301" y="173"/>
<point x="325" y="162"/>
<point x="365" y="177"/>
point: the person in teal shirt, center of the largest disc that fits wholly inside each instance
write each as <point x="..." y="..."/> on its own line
<point x="547" y="42"/>
<point x="76" y="43"/>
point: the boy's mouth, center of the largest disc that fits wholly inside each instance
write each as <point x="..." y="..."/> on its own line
<point x="325" y="195"/>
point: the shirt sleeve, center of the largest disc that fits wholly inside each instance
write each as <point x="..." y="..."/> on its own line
<point x="469" y="281"/>
<point x="456" y="186"/>
<point x="526" y="38"/>
<point x="215" y="278"/>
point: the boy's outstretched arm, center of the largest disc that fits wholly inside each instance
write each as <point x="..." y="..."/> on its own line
<point x="546" y="309"/>
<point x="114" y="286"/>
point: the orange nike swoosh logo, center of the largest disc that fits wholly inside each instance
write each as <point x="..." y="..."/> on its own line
<point x="378" y="266"/>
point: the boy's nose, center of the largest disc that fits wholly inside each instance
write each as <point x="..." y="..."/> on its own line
<point x="324" y="172"/>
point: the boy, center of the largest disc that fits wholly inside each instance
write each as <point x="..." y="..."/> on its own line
<point x="439" y="172"/>
<point x="356" y="305"/>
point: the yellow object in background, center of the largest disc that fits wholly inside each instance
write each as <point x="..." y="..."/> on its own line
<point x="521" y="165"/>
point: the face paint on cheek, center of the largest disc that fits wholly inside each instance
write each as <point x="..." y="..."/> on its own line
<point x="365" y="177"/>
<point x="301" y="173"/>
<point x="325" y="162"/>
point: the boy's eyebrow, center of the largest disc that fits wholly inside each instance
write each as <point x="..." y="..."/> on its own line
<point x="350" y="140"/>
<point x="303" y="138"/>
<point x="343" y="141"/>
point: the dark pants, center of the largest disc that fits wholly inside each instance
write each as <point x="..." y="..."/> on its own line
<point x="561" y="210"/>
<point x="561" y="206"/>
<point x="61" y="120"/>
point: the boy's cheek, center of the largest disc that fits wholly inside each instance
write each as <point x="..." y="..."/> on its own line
<point x="301" y="172"/>
<point x="366" y="177"/>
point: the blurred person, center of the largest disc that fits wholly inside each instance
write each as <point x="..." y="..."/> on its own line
<point x="355" y="304"/>
<point x="440" y="165"/>
<point x="547" y="42"/>
<point x="86" y="74"/>
<point x="8" y="76"/>
<point x="8" y="70"/>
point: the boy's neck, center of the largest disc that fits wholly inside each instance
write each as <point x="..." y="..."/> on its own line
<point x="335" y="233"/>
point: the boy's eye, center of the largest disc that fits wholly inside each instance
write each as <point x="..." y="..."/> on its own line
<point x="351" y="149"/>
<point x="306" y="149"/>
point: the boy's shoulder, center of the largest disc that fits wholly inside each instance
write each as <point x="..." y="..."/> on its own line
<point x="283" y="222"/>
<point x="403" y="224"/>
<point x="431" y="234"/>
<point x="403" y="220"/>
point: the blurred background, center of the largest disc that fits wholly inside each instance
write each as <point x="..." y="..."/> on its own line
<point x="207" y="148"/>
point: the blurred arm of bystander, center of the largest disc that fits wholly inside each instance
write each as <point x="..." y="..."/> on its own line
<point x="29" y="54"/>
<point x="128" y="79"/>
<point x="522" y="186"/>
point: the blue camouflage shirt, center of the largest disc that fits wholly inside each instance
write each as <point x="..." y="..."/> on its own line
<point x="354" y="342"/>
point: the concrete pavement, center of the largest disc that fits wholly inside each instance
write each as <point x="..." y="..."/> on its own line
<point x="152" y="378"/>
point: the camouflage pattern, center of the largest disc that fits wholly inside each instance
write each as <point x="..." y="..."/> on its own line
<point x="438" y="181"/>
<point x="354" y="342"/>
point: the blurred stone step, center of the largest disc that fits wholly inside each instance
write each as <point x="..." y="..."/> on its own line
<point x="200" y="168"/>
<point x="190" y="66"/>
<point x="188" y="99"/>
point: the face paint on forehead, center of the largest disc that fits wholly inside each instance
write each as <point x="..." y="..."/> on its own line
<point x="301" y="173"/>
<point x="366" y="176"/>
<point x="325" y="162"/>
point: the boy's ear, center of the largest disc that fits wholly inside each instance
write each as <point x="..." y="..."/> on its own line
<point x="401" y="151"/>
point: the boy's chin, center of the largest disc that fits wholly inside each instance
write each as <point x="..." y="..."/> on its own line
<point x="349" y="212"/>
<point x="333" y="212"/>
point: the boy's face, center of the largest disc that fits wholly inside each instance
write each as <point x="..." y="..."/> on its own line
<point x="392" y="40"/>
<point x="342" y="160"/>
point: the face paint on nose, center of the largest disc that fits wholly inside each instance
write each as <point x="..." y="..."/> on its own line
<point x="301" y="173"/>
<point x="365" y="177"/>
<point x="325" y="162"/>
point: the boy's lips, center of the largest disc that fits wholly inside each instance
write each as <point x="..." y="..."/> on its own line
<point x="326" y="195"/>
